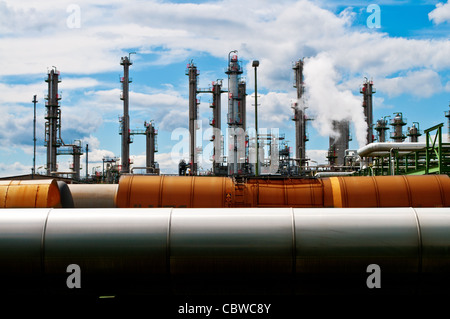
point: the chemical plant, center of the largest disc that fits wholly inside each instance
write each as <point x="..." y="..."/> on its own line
<point x="238" y="158"/>
<point x="263" y="220"/>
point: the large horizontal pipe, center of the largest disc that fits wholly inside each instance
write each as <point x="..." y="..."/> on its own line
<point x="339" y="191"/>
<point x="135" y="191"/>
<point x="93" y="195"/>
<point x="384" y="148"/>
<point x="247" y="250"/>
<point x="30" y="193"/>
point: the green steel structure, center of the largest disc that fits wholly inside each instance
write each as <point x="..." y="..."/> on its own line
<point x="434" y="158"/>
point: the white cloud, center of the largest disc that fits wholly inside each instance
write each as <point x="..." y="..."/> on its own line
<point x="14" y="169"/>
<point x="447" y="87"/>
<point x="317" y="156"/>
<point x="441" y="14"/>
<point x="421" y="83"/>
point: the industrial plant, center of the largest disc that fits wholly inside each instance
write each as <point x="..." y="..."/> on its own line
<point x="263" y="220"/>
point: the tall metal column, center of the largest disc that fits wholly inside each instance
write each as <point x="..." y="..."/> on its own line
<point x="125" y="120"/>
<point x="217" y="125"/>
<point x="255" y="65"/>
<point x="367" y="91"/>
<point x="52" y="125"/>
<point x="87" y="161"/>
<point x="338" y="144"/>
<point x="150" y="135"/>
<point x="192" y="72"/>
<point x="236" y="136"/>
<point x="299" y="115"/>
<point x="242" y="88"/>
<point x="34" y="138"/>
<point x="77" y="152"/>
<point x="381" y="128"/>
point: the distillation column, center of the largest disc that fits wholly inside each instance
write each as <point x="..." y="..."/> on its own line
<point x="414" y="133"/>
<point x="299" y="115"/>
<point x="381" y="128"/>
<point x="397" y="123"/>
<point x="53" y="123"/>
<point x="339" y="143"/>
<point x="367" y="91"/>
<point x="217" y="125"/>
<point x="193" y="114"/>
<point x="236" y="135"/>
<point x="125" y="121"/>
<point x="150" y="135"/>
<point x="76" y="154"/>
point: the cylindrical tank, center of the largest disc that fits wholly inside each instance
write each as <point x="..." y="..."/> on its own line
<point x="398" y="122"/>
<point x="244" y="250"/>
<point x="342" y="191"/>
<point x="381" y="128"/>
<point x="29" y="193"/>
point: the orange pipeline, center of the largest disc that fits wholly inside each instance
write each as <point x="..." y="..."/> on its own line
<point x="342" y="191"/>
<point x="29" y="194"/>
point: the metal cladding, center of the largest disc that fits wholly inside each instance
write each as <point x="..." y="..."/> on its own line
<point x="247" y="250"/>
<point x="93" y="195"/>
<point x="342" y="191"/>
<point x="29" y="194"/>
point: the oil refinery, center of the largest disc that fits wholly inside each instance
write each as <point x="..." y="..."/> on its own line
<point x="259" y="222"/>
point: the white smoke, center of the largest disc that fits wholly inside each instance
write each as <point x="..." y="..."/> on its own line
<point x="327" y="102"/>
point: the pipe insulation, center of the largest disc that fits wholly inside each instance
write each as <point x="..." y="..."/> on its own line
<point x="93" y="195"/>
<point x="225" y="250"/>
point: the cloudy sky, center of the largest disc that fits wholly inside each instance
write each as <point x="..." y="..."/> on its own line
<point x="403" y="46"/>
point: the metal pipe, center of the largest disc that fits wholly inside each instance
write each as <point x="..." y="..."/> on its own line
<point x="255" y="64"/>
<point x="376" y="149"/>
<point x="338" y="191"/>
<point x="93" y="195"/>
<point x="34" y="136"/>
<point x="248" y="250"/>
<point x="30" y="194"/>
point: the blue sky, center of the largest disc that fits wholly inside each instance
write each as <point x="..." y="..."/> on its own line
<point x="407" y="57"/>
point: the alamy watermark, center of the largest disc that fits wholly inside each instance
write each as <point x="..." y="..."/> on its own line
<point x="374" y="19"/>
<point x="73" y="21"/>
<point x="374" y="279"/>
<point x="74" y="279"/>
<point x="236" y="146"/>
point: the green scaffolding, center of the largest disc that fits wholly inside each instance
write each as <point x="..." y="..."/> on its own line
<point x="434" y="158"/>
